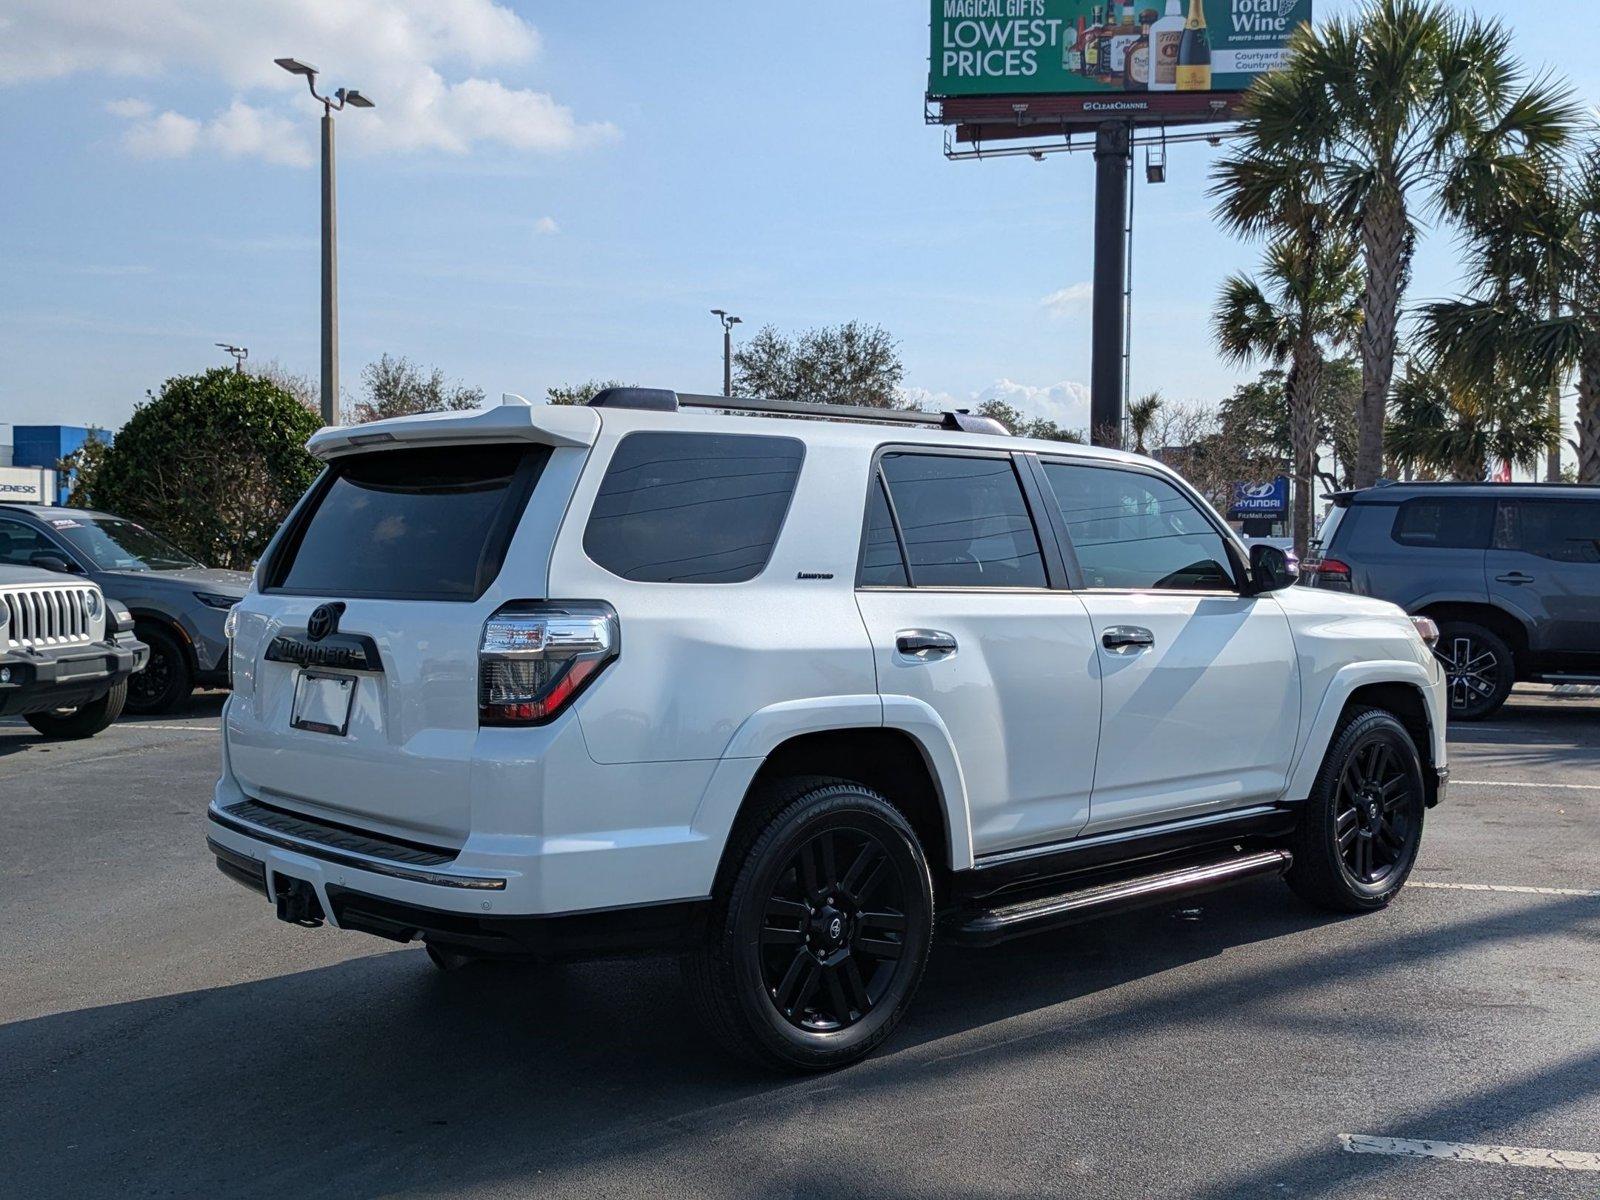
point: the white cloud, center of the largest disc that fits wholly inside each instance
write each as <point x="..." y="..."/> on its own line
<point x="546" y="225"/>
<point x="129" y="109"/>
<point x="1068" y="300"/>
<point x="398" y="52"/>
<point x="1065" y="403"/>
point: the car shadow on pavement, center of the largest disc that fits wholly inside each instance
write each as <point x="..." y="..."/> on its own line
<point x="379" y="1075"/>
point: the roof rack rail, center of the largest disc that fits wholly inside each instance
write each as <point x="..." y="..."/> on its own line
<point x="662" y="400"/>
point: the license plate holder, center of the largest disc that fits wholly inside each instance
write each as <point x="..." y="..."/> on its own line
<point x="323" y="702"/>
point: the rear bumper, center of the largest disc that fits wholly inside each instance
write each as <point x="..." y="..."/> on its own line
<point x="38" y="681"/>
<point x="605" y="933"/>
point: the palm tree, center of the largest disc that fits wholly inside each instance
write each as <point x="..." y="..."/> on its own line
<point x="1403" y="108"/>
<point x="1142" y="418"/>
<point x="1306" y="303"/>
<point x="1454" y="424"/>
<point x="1534" y="309"/>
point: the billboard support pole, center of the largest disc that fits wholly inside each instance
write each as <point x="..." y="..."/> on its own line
<point x="1113" y="156"/>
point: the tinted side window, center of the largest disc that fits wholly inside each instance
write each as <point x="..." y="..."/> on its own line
<point x="1563" y="530"/>
<point x="1444" y="523"/>
<point x="964" y="521"/>
<point x="692" y="507"/>
<point x="881" y="561"/>
<point x="19" y="543"/>
<point x="1131" y="530"/>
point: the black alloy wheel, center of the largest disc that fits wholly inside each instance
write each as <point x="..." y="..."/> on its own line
<point x="165" y="680"/>
<point x="1479" y="669"/>
<point x="834" y="930"/>
<point x="1373" y="812"/>
<point x="1359" y="831"/>
<point x="819" y="927"/>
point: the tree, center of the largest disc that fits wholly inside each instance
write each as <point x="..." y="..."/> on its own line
<point x="82" y="467"/>
<point x="1142" y="418"/>
<point x="1019" y="423"/>
<point x="851" y="363"/>
<point x="1400" y="108"/>
<point x="396" y="387"/>
<point x="1533" y="309"/>
<point x="1448" y="423"/>
<point x="302" y="387"/>
<point x="214" y="462"/>
<point x="1305" y="304"/>
<point x="580" y="393"/>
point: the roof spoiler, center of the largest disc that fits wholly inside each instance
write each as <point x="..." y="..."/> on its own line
<point x="663" y="400"/>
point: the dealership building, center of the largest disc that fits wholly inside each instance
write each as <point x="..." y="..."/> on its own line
<point x="28" y="458"/>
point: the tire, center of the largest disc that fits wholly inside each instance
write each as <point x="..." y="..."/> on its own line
<point x="166" y="680"/>
<point x="817" y="940"/>
<point x="1480" y="669"/>
<point x="1359" y="832"/>
<point x="84" y="721"/>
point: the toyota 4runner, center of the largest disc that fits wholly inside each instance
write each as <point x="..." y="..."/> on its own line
<point x="792" y="696"/>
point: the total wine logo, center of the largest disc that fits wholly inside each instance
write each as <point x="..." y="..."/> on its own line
<point x="1263" y="16"/>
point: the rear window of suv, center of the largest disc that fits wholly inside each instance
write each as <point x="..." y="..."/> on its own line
<point x="692" y="507"/>
<point x="427" y="524"/>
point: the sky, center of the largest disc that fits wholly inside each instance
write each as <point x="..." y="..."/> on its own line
<point x="551" y="192"/>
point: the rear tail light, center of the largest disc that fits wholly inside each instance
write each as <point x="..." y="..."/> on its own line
<point x="536" y="656"/>
<point x="1329" y="572"/>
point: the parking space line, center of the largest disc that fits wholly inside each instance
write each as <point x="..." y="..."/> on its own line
<point x="1519" y="889"/>
<point x="1573" y="787"/>
<point x="179" y="728"/>
<point x="1513" y="1156"/>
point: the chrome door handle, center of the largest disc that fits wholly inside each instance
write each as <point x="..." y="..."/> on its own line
<point x="1125" y="639"/>
<point x="924" y="641"/>
<point x="1514" y="577"/>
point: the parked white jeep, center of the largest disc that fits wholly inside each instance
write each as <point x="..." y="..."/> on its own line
<point x="790" y="695"/>
<point x="65" y="653"/>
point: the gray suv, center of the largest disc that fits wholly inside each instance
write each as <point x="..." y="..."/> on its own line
<point x="1509" y="572"/>
<point x="178" y="604"/>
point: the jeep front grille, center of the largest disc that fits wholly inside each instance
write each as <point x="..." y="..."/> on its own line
<point x="48" y="616"/>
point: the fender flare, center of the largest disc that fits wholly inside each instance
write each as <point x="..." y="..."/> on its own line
<point x="767" y="728"/>
<point x="170" y="624"/>
<point x="1343" y="684"/>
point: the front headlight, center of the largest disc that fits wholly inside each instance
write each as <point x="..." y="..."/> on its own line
<point x="212" y="600"/>
<point x="93" y="603"/>
<point x="1426" y="630"/>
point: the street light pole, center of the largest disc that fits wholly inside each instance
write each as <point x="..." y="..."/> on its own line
<point x="728" y="323"/>
<point x="330" y="233"/>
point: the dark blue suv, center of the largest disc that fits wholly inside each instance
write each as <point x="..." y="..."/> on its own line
<point x="1510" y="572"/>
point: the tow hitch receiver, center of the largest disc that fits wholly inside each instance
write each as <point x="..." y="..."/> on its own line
<point x="297" y="901"/>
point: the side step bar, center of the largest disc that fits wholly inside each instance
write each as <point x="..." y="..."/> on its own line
<point x="985" y="927"/>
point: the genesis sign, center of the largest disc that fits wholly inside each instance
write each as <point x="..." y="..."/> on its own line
<point x="1074" y="47"/>
<point x="27" y="485"/>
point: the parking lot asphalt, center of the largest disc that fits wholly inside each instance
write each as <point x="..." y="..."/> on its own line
<point x="162" y="1035"/>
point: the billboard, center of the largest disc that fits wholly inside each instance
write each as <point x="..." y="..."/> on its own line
<point x="1080" y="48"/>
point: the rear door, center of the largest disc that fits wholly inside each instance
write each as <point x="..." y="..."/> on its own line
<point x="356" y="665"/>
<point x="955" y="589"/>
<point x="1200" y="686"/>
<point x="1544" y="566"/>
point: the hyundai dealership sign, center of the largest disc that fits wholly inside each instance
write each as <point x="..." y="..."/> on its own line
<point x="1270" y="500"/>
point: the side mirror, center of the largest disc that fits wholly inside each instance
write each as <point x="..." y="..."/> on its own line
<point x="1269" y="568"/>
<point x="47" y="561"/>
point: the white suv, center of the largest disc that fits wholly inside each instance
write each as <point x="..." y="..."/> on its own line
<point x="775" y="692"/>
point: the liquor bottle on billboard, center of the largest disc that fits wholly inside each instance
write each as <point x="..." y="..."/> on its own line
<point x="1123" y="37"/>
<point x="1072" y="51"/>
<point x="1091" y="44"/>
<point x="1165" y="35"/>
<point x="1136" y="66"/>
<point x="1194" y="52"/>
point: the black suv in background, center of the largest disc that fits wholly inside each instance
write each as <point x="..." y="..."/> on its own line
<point x="1510" y="572"/>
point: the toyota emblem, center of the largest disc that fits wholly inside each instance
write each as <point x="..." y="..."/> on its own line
<point x="835" y="928"/>
<point x="324" y="620"/>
